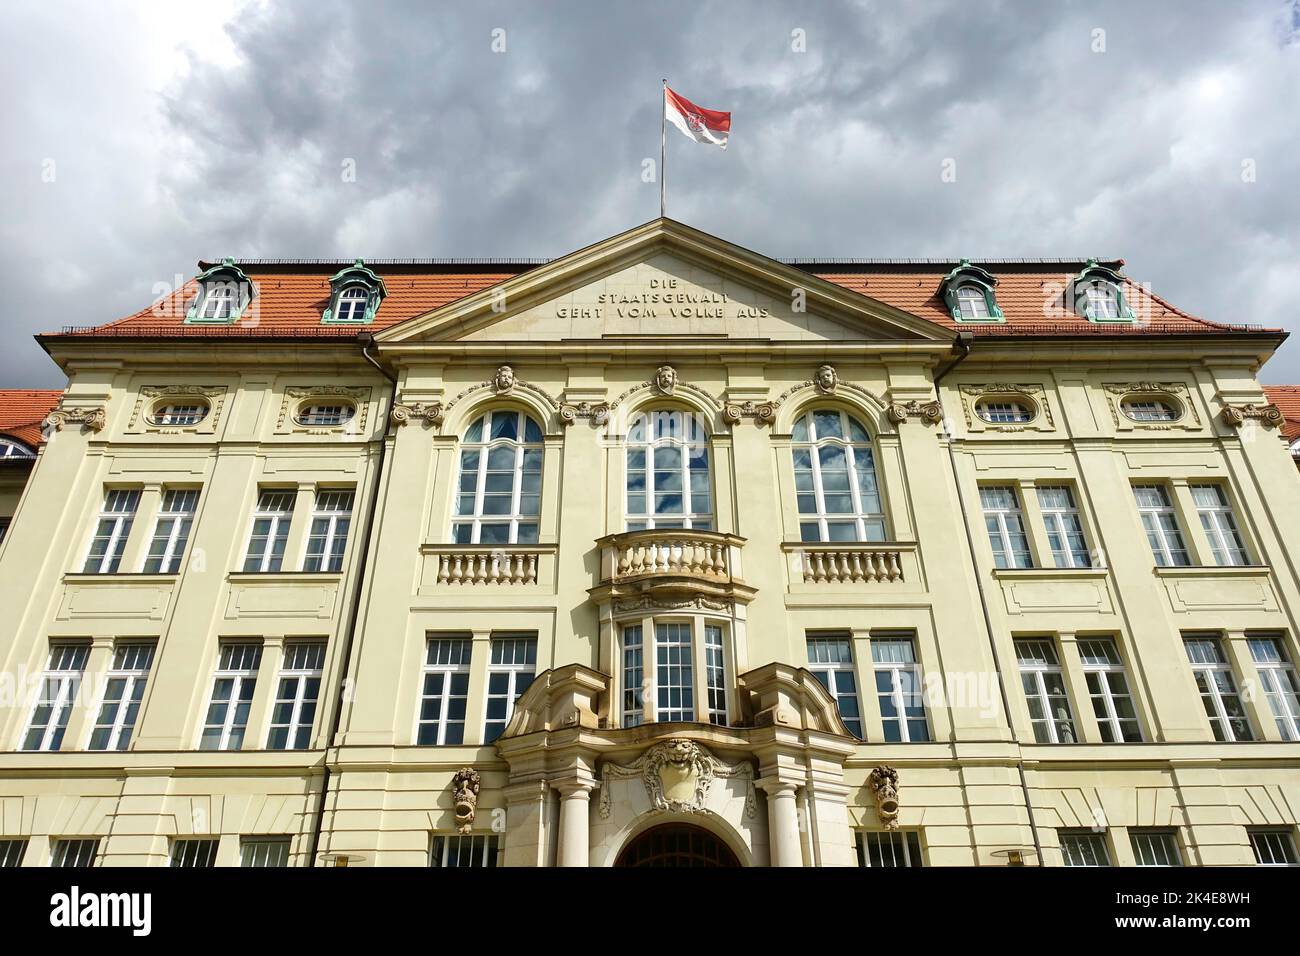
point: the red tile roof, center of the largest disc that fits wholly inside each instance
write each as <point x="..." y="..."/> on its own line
<point x="292" y="295"/>
<point x="1287" y="398"/>
<point x="23" y="410"/>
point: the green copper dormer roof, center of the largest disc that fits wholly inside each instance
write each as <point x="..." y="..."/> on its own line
<point x="358" y="272"/>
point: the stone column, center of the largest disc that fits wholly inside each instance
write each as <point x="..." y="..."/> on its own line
<point x="782" y="822"/>
<point x="575" y="822"/>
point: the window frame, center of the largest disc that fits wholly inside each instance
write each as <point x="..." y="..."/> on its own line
<point x="170" y="413"/>
<point x="193" y="852"/>
<point x="1000" y="515"/>
<point x="1097" y="840"/>
<point x="650" y="518"/>
<point x="177" y="537"/>
<point x="294" y="689"/>
<point x="1038" y="670"/>
<point x="54" y="729"/>
<point x="1219" y="523"/>
<point x="270" y="558"/>
<point x="1055" y="520"/>
<point x="516" y="673"/>
<point x="241" y="674"/>
<point x="251" y="843"/>
<point x="312" y="413"/>
<point x="827" y="672"/>
<point x="119" y="522"/>
<point x="12" y="851"/>
<point x="83" y="850"/>
<point x="125" y="707"/>
<point x="11" y="447"/>
<point x="859" y="460"/>
<point x="1169" y="840"/>
<point x="515" y="520"/>
<point x="463" y="645"/>
<point x="896" y="694"/>
<point x="985" y="402"/>
<point x="487" y="846"/>
<point x="1173" y="406"/>
<point x="682" y="668"/>
<point x="1280" y="681"/>
<point x="347" y="295"/>
<point x="908" y="841"/>
<point x="1283" y="836"/>
<point x="1104" y="692"/>
<point x="1207" y="674"/>
<point x="1157" y="534"/>
<point x="331" y="525"/>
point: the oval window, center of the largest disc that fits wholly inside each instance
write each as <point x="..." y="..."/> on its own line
<point x="325" y="414"/>
<point x="179" y="413"/>
<point x="1004" y="411"/>
<point x="1151" y="409"/>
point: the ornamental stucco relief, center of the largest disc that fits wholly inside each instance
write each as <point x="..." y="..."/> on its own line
<point x="678" y="774"/>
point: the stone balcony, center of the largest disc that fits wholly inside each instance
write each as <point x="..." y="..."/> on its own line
<point x="454" y="565"/>
<point x="671" y="560"/>
<point x="849" y="562"/>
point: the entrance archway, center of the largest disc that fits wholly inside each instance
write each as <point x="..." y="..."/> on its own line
<point x="677" y="844"/>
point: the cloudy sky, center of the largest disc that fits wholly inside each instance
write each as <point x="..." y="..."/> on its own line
<point x="141" y="137"/>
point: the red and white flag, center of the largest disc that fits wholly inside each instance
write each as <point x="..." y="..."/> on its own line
<point x="701" y="125"/>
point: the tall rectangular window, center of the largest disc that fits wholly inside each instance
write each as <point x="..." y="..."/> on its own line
<point x="171" y="532"/>
<point x="123" y="692"/>
<point x="294" y="713"/>
<point x="1218" y="688"/>
<point x="270" y="530"/>
<point x="232" y="697"/>
<point x="1161" y="525"/>
<point x="1006" y="527"/>
<point x="112" y="530"/>
<point x="674" y="673"/>
<point x="831" y="661"/>
<point x="445" y="693"/>
<point x="1273" y="846"/>
<point x="1278" y="677"/>
<point x="64" y="670"/>
<point x="715" y="675"/>
<point x="633" y="677"/>
<point x="1044" y="686"/>
<point x="194" y="854"/>
<point x="1084" y="848"/>
<point x="1220" y="525"/>
<point x="11" y="853"/>
<point x="1112" y="704"/>
<point x="1064" y="529"/>
<point x="511" y="670"/>
<point x="330" y="521"/>
<point x="1155" y="847"/>
<point x="264" y="851"/>
<point x="888" y="848"/>
<point x="463" y="850"/>
<point x="898" y="686"/>
<point x="73" y="853"/>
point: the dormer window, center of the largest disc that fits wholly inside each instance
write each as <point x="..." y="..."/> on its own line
<point x="352" y="304"/>
<point x="971" y="302"/>
<point x="968" y="292"/>
<point x="1098" y="294"/>
<point x="224" y="294"/>
<point x="355" y="295"/>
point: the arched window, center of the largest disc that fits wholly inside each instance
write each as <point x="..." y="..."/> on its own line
<point x="352" y="304"/>
<point x="499" y="491"/>
<point x="971" y="302"/>
<point x="668" y="482"/>
<point x="1101" y="300"/>
<point x="219" y="303"/>
<point x="12" y="448"/>
<point x="835" y="479"/>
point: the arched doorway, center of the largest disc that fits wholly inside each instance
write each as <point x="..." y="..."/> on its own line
<point x="677" y="844"/>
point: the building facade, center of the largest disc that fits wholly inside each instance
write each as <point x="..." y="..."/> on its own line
<point x="661" y="553"/>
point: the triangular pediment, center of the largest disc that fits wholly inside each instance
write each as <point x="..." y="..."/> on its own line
<point x="665" y="279"/>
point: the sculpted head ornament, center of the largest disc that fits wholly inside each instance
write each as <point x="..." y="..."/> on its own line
<point x="827" y="379"/>
<point x="504" y="380"/>
<point x="666" y="379"/>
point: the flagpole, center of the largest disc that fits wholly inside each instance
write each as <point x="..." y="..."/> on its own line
<point x="663" y="128"/>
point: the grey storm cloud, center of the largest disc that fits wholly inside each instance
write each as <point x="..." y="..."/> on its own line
<point x="142" y="137"/>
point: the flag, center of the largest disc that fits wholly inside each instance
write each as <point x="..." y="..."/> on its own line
<point x="701" y="125"/>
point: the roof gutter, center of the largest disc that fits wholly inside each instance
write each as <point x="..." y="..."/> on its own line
<point x="366" y="340"/>
<point x="965" y="340"/>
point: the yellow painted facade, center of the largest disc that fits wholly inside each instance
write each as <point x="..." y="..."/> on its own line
<point x="569" y="783"/>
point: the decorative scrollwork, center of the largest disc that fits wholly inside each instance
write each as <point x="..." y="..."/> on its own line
<point x="464" y="794"/>
<point x="763" y="413"/>
<point x="595" y="412"/>
<point x="91" y="418"/>
<point x="884" y="787"/>
<point x="690" y="764"/>
<point x="929" y="412"/>
<point x="1270" y="416"/>
<point x="431" y="413"/>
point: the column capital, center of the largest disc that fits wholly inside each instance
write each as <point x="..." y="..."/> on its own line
<point x="575" y="787"/>
<point x="776" y="787"/>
